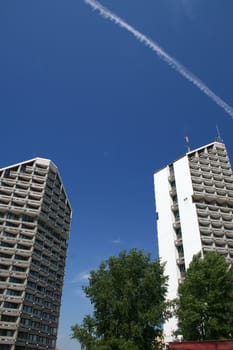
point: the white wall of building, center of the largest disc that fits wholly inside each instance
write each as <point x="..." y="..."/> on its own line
<point x="166" y="240"/>
<point x="187" y="210"/>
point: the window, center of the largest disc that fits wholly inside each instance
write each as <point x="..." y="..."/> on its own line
<point x="22" y="246"/>
<point x="17" y="293"/>
<point x="46" y="315"/>
<point x="33" y="273"/>
<point x="25" y="322"/>
<point x="32" y="284"/>
<point x="6" y="347"/>
<point x="12" y="216"/>
<point x="6" y="332"/>
<point x="23" y="335"/>
<point x="3" y="279"/>
<point x="47" y="304"/>
<point x="28" y="218"/>
<point x="41" y="289"/>
<point x="32" y="338"/>
<point x="25" y="237"/>
<point x="20" y="257"/>
<point x="42" y="340"/>
<point x="35" y="262"/>
<point x="45" y="327"/>
<point x="16" y="280"/>
<point x="27" y="227"/>
<point x="7" y="318"/>
<point x="9" y="305"/>
<point x="11" y="224"/>
<point x="19" y="268"/>
<point x="38" y="300"/>
<point x="35" y="324"/>
<point x="5" y="256"/>
<point x="37" y="312"/>
<point x="27" y="308"/>
<point x="8" y="234"/>
<point x="4" y="267"/>
<point x="6" y="244"/>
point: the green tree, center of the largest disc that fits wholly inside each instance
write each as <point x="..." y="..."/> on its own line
<point x="205" y="303"/>
<point x="128" y="297"/>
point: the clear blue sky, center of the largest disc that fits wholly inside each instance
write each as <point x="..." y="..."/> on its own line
<point x="79" y="90"/>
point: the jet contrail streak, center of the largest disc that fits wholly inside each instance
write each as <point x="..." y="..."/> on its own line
<point x="172" y="62"/>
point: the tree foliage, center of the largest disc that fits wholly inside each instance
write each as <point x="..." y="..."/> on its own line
<point x="205" y="304"/>
<point x="128" y="297"/>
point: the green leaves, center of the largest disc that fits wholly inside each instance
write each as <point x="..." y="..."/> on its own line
<point x="205" y="305"/>
<point x="128" y="297"/>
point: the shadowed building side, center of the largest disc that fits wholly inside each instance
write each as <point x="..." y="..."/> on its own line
<point x="35" y="217"/>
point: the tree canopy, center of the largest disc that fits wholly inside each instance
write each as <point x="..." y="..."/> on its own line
<point x="128" y="296"/>
<point x="205" y="304"/>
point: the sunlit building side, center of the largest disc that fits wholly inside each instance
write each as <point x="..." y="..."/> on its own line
<point x="194" y="205"/>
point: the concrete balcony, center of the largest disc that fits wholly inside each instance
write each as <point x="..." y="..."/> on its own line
<point x="229" y="187"/>
<point x="204" y="222"/>
<point x="205" y="168"/>
<point x="228" y="180"/>
<point x="227" y="172"/>
<point x="220" y="242"/>
<point x="176" y="225"/>
<point x="10" y="312"/>
<point x="216" y="224"/>
<point x="172" y="192"/>
<point x="7" y="340"/>
<point x="222" y="251"/>
<point x="198" y="188"/>
<point x="197" y="180"/>
<point x="180" y="261"/>
<point x="230" y="243"/>
<point x="178" y="242"/>
<point x="194" y="166"/>
<point x="208" y="249"/>
<point x="207" y="240"/>
<point x="174" y="207"/>
<point x="228" y="226"/>
<point x="204" y="161"/>
<point x="195" y="173"/>
<point x="205" y="231"/>
<point x="218" y="233"/>
<point x="214" y="215"/>
<point x="171" y="178"/>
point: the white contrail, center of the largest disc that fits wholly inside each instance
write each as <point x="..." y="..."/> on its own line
<point x="172" y="62"/>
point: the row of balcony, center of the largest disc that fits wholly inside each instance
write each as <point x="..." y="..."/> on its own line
<point x="224" y="251"/>
<point x="213" y="189"/>
<point x="216" y="232"/>
<point x="215" y="214"/>
<point x="213" y="184"/>
<point x="212" y="166"/>
<point x="205" y="171"/>
<point x="212" y="198"/>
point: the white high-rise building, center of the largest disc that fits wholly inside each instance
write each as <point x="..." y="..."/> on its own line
<point x="194" y="204"/>
<point x="35" y="219"/>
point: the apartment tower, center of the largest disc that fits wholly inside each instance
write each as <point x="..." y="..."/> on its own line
<point x="35" y="219"/>
<point x="194" y="204"/>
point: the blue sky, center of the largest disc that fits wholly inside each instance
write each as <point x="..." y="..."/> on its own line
<point x="79" y="90"/>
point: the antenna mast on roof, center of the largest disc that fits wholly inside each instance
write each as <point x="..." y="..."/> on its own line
<point x="218" y="138"/>
<point x="187" y="144"/>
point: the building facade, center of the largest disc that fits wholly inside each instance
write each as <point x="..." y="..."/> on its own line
<point x="35" y="217"/>
<point x="194" y="204"/>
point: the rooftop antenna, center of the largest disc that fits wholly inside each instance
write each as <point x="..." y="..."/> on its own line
<point x="187" y="144"/>
<point x="218" y="138"/>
